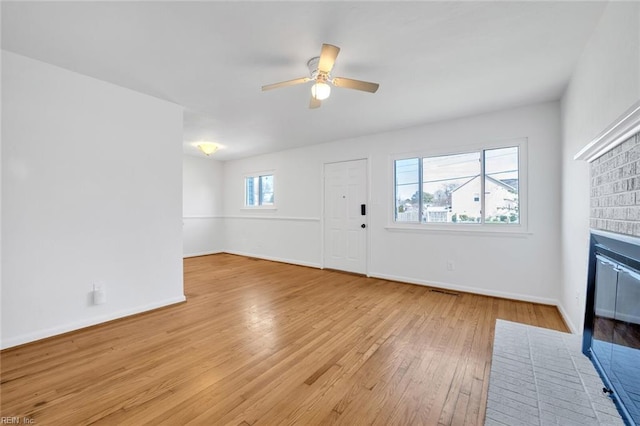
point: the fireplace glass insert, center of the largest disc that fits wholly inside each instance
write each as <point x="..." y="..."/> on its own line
<point x="612" y="318"/>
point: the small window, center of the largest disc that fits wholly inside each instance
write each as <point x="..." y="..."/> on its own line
<point x="259" y="191"/>
<point x="479" y="187"/>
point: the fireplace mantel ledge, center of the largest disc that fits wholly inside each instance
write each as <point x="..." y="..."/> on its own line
<point x="627" y="125"/>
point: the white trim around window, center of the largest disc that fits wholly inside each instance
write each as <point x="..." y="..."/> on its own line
<point x="259" y="190"/>
<point x="485" y="227"/>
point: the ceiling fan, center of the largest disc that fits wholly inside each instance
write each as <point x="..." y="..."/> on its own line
<point x="320" y="69"/>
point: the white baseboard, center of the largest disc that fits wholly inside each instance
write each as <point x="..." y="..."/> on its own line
<point x="54" y="331"/>
<point x="474" y="290"/>
<point x="605" y="313"/>
<point x="620" y="316"/>
<point x="276" y="259"/>
<point x="634" y="319"/>
<point x="567" y="319"/>
<point x="203" y="253"/>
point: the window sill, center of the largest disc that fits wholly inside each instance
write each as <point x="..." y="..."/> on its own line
<point x="259" y="208"/>
<point x="485" y="231"/>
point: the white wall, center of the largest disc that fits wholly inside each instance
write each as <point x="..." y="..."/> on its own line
<point x="605" y="83"/>
<point x="289" y="233"/>
<point x="202" y="186"/>
<point x="91" y="192"/>
<point x="525" y="267"/>
<point x="1" y="171"/>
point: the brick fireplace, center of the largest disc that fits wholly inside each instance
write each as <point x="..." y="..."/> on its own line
<point x="612" y="313"/>
<point x="615" y="189"/>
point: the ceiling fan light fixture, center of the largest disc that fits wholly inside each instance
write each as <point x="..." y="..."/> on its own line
<point x="320" y="68"/>
<point x="320" y="91"/>
<point x="207" y="148"/>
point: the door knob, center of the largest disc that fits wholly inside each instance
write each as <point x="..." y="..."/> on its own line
<point x="363" y="226"/>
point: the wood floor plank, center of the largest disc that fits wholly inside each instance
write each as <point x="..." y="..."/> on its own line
<point x="261" y="342"/>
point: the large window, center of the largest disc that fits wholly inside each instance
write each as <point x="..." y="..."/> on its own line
<point x="477" y="187"/>
<point x="258" y="190"/>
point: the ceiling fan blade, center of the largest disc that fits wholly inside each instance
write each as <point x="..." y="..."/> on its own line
<point x="328" y="57"/>
<point x="314" y="103"/>
<point x="349" y="83"/>
<point x="286" y="83"/>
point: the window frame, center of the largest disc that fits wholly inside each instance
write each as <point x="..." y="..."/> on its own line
<point x="513" y="229"/>
<point x="258" y="175"/>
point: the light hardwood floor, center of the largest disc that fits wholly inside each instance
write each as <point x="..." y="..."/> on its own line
<point x="260" y="342"/>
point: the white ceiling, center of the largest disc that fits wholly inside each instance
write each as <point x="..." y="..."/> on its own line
<point x="433" y="60"/>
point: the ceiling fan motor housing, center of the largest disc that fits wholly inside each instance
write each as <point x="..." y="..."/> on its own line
<point x="313" y="68"/>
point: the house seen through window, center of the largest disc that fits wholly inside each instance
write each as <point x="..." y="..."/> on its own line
<point x="480" y="187"/>
<point x="259" y="191"/>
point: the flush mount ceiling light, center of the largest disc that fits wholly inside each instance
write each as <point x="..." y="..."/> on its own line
<point x="207" y="148"/>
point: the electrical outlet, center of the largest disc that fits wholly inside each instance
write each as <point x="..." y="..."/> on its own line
<point x="450" y="265"/>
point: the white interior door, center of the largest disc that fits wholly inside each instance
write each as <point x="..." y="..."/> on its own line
<point x="345" y="216"/>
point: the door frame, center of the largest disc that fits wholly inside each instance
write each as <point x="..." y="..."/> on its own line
<point x="367" y="251"/>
